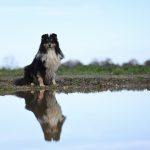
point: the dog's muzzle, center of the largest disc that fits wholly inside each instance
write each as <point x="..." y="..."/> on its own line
<point x="49" y="45"/>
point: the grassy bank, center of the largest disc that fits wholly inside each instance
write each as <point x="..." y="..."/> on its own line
<point x="10" y="72"/>
<point x="97" y="70"/>
<point x="88" y="70"/>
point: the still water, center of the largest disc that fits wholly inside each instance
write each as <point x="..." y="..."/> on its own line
<point x="77" y="121"/>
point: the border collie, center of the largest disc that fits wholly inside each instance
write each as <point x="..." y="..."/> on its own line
<point x="42" y="70"/>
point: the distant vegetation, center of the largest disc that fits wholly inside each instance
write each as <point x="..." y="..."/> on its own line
<point x="106" y="67"/>
<point x="105" y="63"/>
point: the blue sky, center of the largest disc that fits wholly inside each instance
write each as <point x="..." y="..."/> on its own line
<point x="87" y="30"/>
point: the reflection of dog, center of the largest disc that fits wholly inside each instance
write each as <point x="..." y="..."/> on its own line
<point x="47" y="111"/>
<point x="43" y="68"/>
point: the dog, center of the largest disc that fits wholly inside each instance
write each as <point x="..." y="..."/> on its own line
<point x="42" y="70"/>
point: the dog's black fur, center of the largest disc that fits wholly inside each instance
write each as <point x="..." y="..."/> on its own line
<point x="37" y="68"/>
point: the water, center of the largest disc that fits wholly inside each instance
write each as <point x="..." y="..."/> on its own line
<point x="77" y="121"/>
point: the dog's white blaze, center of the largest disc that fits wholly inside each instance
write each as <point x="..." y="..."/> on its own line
<point x="52" y="63"/>
<point x="52" y="60"/>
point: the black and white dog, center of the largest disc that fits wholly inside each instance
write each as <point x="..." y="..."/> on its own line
<point x="42" y="70"/>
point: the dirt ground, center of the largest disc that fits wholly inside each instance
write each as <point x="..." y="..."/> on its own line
<point x="85" y="84"/>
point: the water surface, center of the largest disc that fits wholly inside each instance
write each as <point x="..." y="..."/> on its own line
<point x="77" y="121"/>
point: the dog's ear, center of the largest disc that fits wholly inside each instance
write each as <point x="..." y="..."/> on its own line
<point x="44" y="36"/>
<point x="54" y="35"/>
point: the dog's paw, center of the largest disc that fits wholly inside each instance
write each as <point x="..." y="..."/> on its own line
<point x="42" y="85"/>
<point x="32" y="84"/>
<point x="54" y="82"/>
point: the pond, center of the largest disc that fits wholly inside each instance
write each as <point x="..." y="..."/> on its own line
<point x="92" y="121"/>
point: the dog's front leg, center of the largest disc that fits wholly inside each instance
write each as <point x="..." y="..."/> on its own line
<point x="53" y="79"/>
<point x="40" y="80"/>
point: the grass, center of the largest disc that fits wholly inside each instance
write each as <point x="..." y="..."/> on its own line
<point x="87" y="70"/>
<point x="111" y="70"/>
<point x="9" y="72"/>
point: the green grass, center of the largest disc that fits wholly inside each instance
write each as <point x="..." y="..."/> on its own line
<point x="88" y="70"/>
<point x="96" y="70"/>
<point x="9" y="72"/>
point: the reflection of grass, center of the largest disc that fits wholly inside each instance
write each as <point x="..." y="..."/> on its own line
<point x="88" y="70"/>
<point x="8" y="88"/>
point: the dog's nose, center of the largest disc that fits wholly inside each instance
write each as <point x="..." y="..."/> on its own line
<point x="49" y="45"/>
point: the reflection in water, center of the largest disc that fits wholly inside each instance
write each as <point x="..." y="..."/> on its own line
<point x="47" y="111"/>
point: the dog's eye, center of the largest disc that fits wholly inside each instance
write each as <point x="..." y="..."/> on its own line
<point x="52" y="41"/>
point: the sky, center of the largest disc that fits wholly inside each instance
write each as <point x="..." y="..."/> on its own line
<point x="87" y="30"/>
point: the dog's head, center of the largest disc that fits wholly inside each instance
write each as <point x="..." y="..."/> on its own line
<point x="49" y="42"/>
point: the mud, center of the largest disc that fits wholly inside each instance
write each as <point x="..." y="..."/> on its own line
<point x="84" y="84"/>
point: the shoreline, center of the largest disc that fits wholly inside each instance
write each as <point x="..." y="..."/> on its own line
<point x="84" y="84"/>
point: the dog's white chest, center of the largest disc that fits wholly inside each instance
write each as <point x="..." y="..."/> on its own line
<point x="51" y="60"/>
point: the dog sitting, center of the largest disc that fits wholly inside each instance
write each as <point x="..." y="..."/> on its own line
<point x="42" y="70"/>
